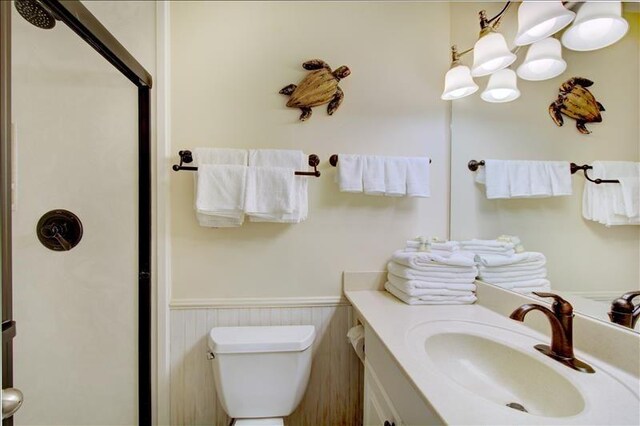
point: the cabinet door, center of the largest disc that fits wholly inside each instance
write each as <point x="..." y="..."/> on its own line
<point x="378" y="410"/>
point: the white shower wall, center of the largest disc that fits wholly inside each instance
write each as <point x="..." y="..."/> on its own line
<point x="75" y="354"/>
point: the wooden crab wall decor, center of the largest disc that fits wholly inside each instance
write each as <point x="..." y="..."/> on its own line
<point x="575" y="101"/>
<point x="319" y="87"/>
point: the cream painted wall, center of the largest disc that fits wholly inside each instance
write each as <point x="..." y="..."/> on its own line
<point x="228" y="61"/>
<point x="582" y="255"/>
<point x="75" y="354"/>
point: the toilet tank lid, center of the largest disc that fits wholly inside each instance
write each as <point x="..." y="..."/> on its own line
<point x="235" y="340"/>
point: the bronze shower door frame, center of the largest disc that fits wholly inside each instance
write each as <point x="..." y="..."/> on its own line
<point x="77" y="17"/>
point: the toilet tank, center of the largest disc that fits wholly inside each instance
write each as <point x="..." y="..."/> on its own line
<point x="261" y="371"/>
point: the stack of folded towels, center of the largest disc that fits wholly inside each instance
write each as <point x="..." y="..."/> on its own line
<point x="428" y="278"/>
<point x="378" y="175"/>
<point x="613" y="203"/>
<point x="521" y="272"/>
<point x="433" y="245"/>
<point x="261" y="184"/>
<point x="504" y="245"/>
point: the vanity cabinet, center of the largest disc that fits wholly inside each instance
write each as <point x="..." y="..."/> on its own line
<point x="390" y="399"/>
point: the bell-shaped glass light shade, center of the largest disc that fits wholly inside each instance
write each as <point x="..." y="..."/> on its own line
<point x="538" y="20"/>
<point x="491" y="54"/>
<point x="598" y="24"/>
<point x="543" y="61"/>
<point x="502" y="87"/>
<point x="458" y="83"/>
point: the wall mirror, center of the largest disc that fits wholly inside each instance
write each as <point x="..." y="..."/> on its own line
<point x="588" y="263"/>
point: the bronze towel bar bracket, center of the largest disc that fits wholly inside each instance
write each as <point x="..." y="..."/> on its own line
<point x="186" y="157"/>
<point x="333" y="160"/>
<point x="473" y="165"/>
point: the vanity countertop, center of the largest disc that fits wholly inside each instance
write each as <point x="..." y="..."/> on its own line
<point x="392" y="321"/>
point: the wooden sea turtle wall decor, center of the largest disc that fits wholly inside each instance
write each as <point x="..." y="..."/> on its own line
<point x="319" y="87"/>
<point x="575" y="101"/>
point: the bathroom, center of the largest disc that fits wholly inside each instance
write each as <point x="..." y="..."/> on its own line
<point x="121" y="300"/>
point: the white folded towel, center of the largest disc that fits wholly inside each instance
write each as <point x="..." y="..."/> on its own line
<point x="607" y="203"/>
<point x="536" y="282"/>
<point x="373" y="175"/>
<point x="511" y="277"/>
<point x="449" y="246"/>
<point x="220" y="195"/>
<point x="269" y="193"/>
<point x="419" y="260"/>
<point x="630" y="187"/>
<point x="525" y="179"/>
<point x="350" y="169"/>
<point x="439" y="277"/>
<point x="430" y="300"/>
<point x="418" y="184"/>
<point x="411" y="284"/>
<point x="220" y="156"/>
<point x="290" y="159"/>
<point x="395" y="176"/>
<point x="527" y="257"/>
<point x="528" y="290"/>
<point x="525" y="267"/>
<point x="416" y="292"/>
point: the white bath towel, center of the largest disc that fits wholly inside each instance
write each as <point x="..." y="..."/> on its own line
<point x="605" y="203"/>
<point x="291" y="159"/>
<point x="270" y="192"/>
<point x="350" y="169"/>
<point x="430" y="300"/>
<point x="395" y="176"/>
<point x="525" y="179"/>
<point x="409" y="284"/>
<point x="220" y="195"/>
<point x="373" y="177"/>
<point x="418" y="179"/>
<point x="220" y="156"/>
<point x="416" y="292"/>
<point x="420" y="260"/>
<point x="528" y="257"/>
<point x="439" y="277"/>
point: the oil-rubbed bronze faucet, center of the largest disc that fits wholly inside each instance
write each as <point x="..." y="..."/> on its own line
<point x="561" y="320"/>
<point x="623" y="312"/>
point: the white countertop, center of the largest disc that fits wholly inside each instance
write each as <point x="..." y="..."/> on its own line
<point x="392" y="320"/>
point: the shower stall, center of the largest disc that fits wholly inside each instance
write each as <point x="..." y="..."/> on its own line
<point x="75" y="219"/>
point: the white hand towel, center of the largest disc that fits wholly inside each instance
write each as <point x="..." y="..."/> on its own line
<point x="630" y="187"/>
<point x="350" y="169"/>
<point x="395" y="176"/>
<point x="526" y="179"/>
<point x="605" y="203"/>
<point x="497" y="244"/>
<point x="429" y="300"/>
<point x="410" y="284"/>
<point x="528" y="257"/>
<point x="269" y="193"/>
<point x="420" y="260"/>
<point x="495" y="176"/>
<point x="536" y="282"/>
<point x="439" y="277"/>
<point x="525" y="267"/>
<point x="418" y="180"/>
<point x="529" y="290"/>
<point x="416" y="292"/>
<point x="291" y="159"/>
<point x="373" y="175"/>
<point x="220" y="156"/>
<point x="508" y="278"/>
<point x="449" y="246"/>
<point x="220" y="195"/>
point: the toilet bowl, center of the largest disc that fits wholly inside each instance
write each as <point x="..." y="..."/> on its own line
<point x="261" y="373"/>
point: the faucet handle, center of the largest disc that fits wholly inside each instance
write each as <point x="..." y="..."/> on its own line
<point x="559" y="305"/>
<point x="630" y="296"/>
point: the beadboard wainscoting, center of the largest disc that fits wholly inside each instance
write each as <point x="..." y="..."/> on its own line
<point x="333" y="396"/>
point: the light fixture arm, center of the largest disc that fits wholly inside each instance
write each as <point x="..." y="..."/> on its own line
<point x="455" y="55"/>
<point x="489" y="25"/>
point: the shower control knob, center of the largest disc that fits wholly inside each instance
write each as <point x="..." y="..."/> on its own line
<point x="59" y="230"/>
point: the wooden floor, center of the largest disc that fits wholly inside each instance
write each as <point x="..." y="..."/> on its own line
<point x="334" y="393"/>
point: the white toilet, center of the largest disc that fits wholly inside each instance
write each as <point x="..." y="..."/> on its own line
<point x="261" y="373"/>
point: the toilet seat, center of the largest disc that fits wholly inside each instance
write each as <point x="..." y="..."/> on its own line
<point x="272" y="421"/>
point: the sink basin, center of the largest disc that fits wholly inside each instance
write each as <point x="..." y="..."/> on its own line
<point x="504" y="375"/>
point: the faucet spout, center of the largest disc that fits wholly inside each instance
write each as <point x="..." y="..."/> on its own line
<point x="560" y="318"/>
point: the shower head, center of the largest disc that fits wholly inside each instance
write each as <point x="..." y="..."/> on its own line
<point x="34" y="12"/>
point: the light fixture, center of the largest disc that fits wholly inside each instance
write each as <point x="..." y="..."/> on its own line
<point x="543" y="61"/>
<point x="597" y="25"/>
<point x="502" y="87"/>
<point x="458" y="82"/>
<point x="491" y="54"/>
<point x="538" y="20"/>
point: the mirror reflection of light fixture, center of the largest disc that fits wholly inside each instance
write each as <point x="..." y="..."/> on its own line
<point x="543" y="61"/>
<point x="458" y="82"/>
<point x="502" y="87"/>
<point x="598" y="24"/>
<point x="538" y="20"/>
